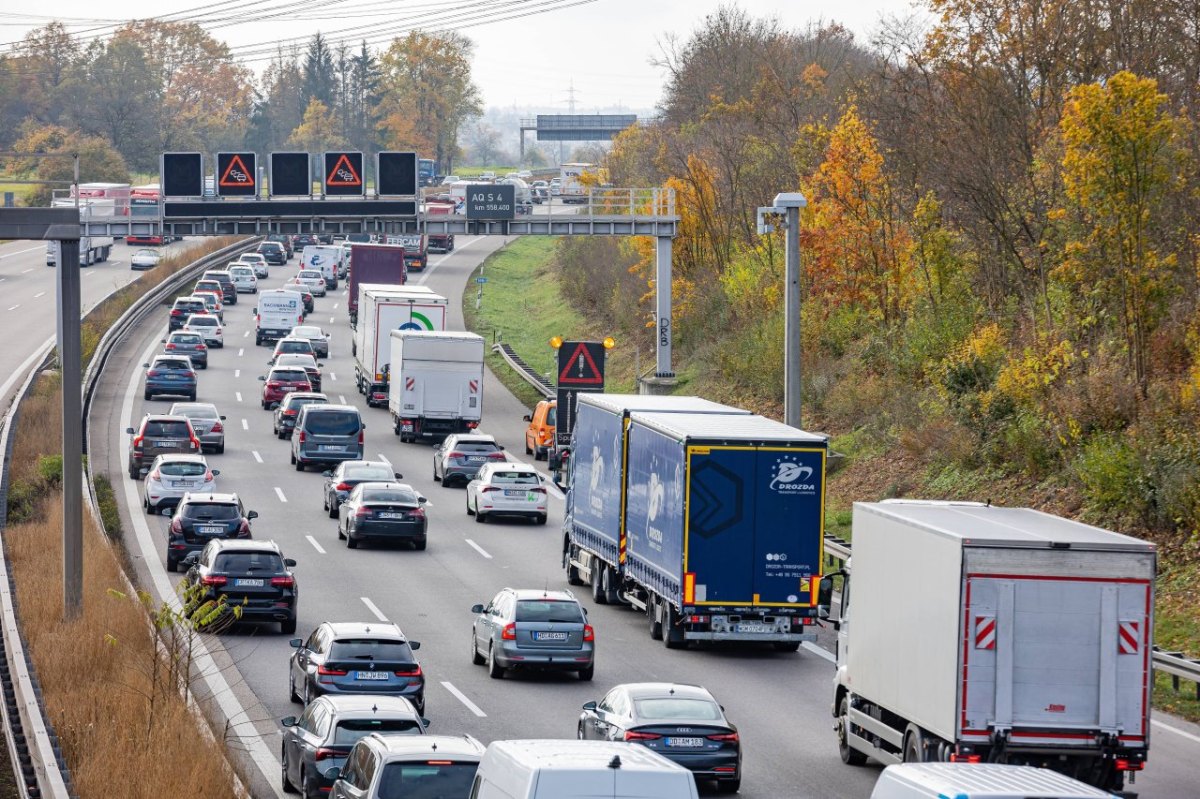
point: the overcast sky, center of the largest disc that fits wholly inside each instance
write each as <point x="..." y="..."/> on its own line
<point x="602" y="48"/>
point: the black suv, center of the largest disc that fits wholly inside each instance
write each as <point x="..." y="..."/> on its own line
<point x="273" y="253"/>
<point x="228" y="290"/>
<point x="304" y="240"/>
<point x="283" y="240"/>
<point x="200" y="518"/>
<point x="253" y="575"/>
<point x="183" y="308"/>
<point x="356" y="658"/>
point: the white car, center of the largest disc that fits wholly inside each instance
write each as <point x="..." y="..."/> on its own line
<point x="208" y="326"/>
<point x="256" y="262"/>
<point x="507" y="489"/>
<point x="446" y="181"/>
<point x="172" y="476"/>
<point x="244" y="279"/>
<point x="315" y="335"/>
<point x="145" y="259"/>
<point x="314" y="280"/>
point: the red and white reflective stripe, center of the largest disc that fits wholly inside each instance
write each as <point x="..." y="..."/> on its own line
<point x="410" y="383"/>
<point x="1128" y="637"/>
<point x="985" y="632"/>
<point x="474" y="384"/>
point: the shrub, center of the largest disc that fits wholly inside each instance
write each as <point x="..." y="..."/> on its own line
<point x="1108" y="469"/>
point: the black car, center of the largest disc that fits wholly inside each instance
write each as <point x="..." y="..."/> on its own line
<point x="251" y="574"/>
<point x="680" y="722"/>
<point x="383" y="512"/>
<point x="284" y="240"/>
<point x="182" y="309"/>
<point x="200" y="518"/>
<point x="288" y="409"/>
<point x="273" y="253"/>
<point x="341" y="481"/>
<point x="304" y="240"/>
<point x="356" y="658"/>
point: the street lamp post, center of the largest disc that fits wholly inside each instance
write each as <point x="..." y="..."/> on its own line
<point x="788" y="205"/>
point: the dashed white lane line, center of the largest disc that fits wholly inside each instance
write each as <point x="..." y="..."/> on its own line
<point x="245" y="424"/>
<point x="238" y="394"/>
<point x="478" y="548"/>
<point x="384" y="458"/>
<point x="39" y="294"/>
<point x="333" y="376"/>
<point x="257" y="457"/>
<point x="435" y="264"/>
<point x="816" y="650"/>
<point x="1176" y="730"/>
<point x="15" y="307"/>
<point x="371" y="607"/>
<point x="246" y="334"/>
<point x="331" y="320"/>
<point x="279" y="493"/>
<point x="316" y="546"/>
<point x="19" y="252"/>
<point x="241" y="352"/>
<point x="237" y="372"/>
<point x="26" y="271"/>
<point x="335" y="306"/>
<point x="341" y="399"/>
<point x="461" y="697"/>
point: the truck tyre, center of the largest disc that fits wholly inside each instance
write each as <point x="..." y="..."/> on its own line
<point x="787" y="646"/>
<point x="573" y="577"/>
<point x="599" y="595"/>
<point x="849" y="755"/>
<point x="914" y="745"/>
<point x="656" y="627"/>
<point x="672" y="634"/>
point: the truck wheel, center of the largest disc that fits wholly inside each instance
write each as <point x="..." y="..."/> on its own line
<point x="914" y="745"/>
<point x="849" y="755"/>
<point x="787" y="646"/>
<point x="599" y="595"/>
<point x="573" y="577"/>
<point x="656" y="627"/>
<point x="672" y="634"/>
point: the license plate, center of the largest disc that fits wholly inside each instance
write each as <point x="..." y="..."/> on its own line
<point x="208" y="529"/>
<point x="174" y="377"/>
<point x="370" y="675"/>
<point x="545" y="636"/>
<point x="286" y="389"/>
<point x="184" y="483"/>
<point x="406" y="427"/>
<point x="755" y="628"/>
<point x="249" y="582"/>
<point x="685" y="742"/>
<point x="513" y="492"/>
<point x="331" y="448"/>
<point x="475" y="459"/>
<point x="386" y="514"/>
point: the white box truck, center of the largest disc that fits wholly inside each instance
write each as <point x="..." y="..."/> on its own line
<point x="436" y="385"/>
<point x="382" y="309"/>
<point x="276" y="313"/>
<point x="92" y="249"/>
<point x="977" y="633"/>
<point x="325" y="258"/>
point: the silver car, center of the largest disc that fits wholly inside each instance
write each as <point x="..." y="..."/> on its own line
<point x="255" y="262"/>
<point x="206" y="421"/>
<point x="533" y="628"/>
<point x="461" y="456"/>
<point x="172" y="476"/>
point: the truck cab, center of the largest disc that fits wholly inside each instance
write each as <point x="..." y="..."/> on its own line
<point x="539" y="435"/>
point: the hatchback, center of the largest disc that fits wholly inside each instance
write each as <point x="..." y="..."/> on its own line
<point x="170" y="374"/>
<point x="206" y="421"/>
<point x="212" y="301"/>
<point x="300" y="288"/>
<point x="279" y="382"/>
<point x="395" y="766"/>
<point x="199" y="518"/>
<point x="209" y="327"/>
<point x="314" y="279"/>
<point x="256" y="262"/>
<point x="159" y="434"/>
<point x="533" y="628"/>
<point x="321" y="738"/>
<point x="683" y="723"/>
<point x="172" y="476"/>
<point x="327" y="434"/>
<point x="298" y="360"/>
<point x="460" y="457"/>
<point x="252" y="574"/>
<point x="292" y="345"/>
<point x="340" y="481"/>
<point x="507" y="489"/>
<point x="284" y="420"/>
<point x="244" y="279"/>
<point x="183" y="342"/>
<point x="383" y="512"/>
<point x="273" y="253"/>
<point x="183" y="308"/>
<point x="356" y="658"/>
<point x="223" y="277"/>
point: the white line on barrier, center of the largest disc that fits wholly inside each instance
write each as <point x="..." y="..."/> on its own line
<point x="372" y="607"/>
<point x="316" y="546"/>
<point x="478" y="548"/>
<point x="461" y="697"/>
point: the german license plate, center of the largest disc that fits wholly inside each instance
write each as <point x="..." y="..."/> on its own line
<point x="747" y="627"/>
<point x="331" y="447"/>
<point x="387" y="514"/>
<point x="184" y="484"/>
<point x="547" y="636"/>
<point x="475" y="459"/>
<point x="513" y="492"/>
<point x="209" y="529"/>
<point x="286" y="389"/>
<point x="685" y="742"/>
<point x="249" y="582"/>
<point x="370" y="675"/>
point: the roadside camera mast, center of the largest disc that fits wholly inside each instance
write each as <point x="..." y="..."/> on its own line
<point x="785" y="213"/>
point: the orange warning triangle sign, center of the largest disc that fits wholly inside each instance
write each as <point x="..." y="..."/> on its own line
<point x="343" y="173"/>
<point x="236" y="174"/>
<point x="581" y="369"/>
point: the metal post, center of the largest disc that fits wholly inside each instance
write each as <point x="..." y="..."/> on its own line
<point x="662" y="287"/>
<point x="69" y="359"/>
<point x="791" y="324"/>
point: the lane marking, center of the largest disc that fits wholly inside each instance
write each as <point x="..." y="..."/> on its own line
<point x="245" y="425"/>
<point x="333" y="377"/>
<point x="384" y="458"/>
<point x="331" y="320"/>
<point x="341" y="399"/>
<point x="19" y="252"/>
<point x="549" y="483"/>
<point x="279" y="493"/>
<point x="316" y="546"/>
<point x="477" y="548"/>
<point x="335" y="306"/>
<point x="39" y="294"/>
<point x="246" y="334"/>
<point x="461" y="697"/>
<point x="816" y="650"/>
<point x="371" y="607"/>
<point x="15" y="307"/>
<point x="27" y="271"/>
<point x="241" y="352"/>
<point x="257" y="457"/>
<point x="1164" y="726"/>
<point x="457" y="248"/>
<point x="238" y="394"/>
<point x="237" y="372"/>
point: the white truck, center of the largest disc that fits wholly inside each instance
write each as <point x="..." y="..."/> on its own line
<point x="571" y="188"/>
<point x="326" y="259"/>
<point x="383" y="308"/>
<point x="972" y="633"/>
<point x="92" y="249"/>
<point x="436" y="385"/>
<point x="276" y="313"/>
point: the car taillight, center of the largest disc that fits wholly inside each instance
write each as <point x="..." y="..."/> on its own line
<point x="137" y="443"/>
<point x="343" y="487"/>
<point x="416" y="513"/>
<point x="361" y="439"/>
<point x="176" y="312"/>
<point x="283" y="582"/>
<point x="217" y="428"/>
<point x="208" y="476"/>
<point x="631" y="735"/>
<point x="153" y="373"/>
<point x="489" y="489"/>
<point x="328" y="672"/>
<point x="589" y="633"/>
<point x="195" y="444"/>
<point x="1125" y="764"/>
<point x="300" y="437"/>
<point x="169" y="346"/>
<point x="176" y="526"/>
<point x="290" y="412"/>
<point x="409" y="671"/>
<point x="214" y="579"/>
<point x="727" y="737"/>
<point x="538" y="490"/>
<point x="155" y="475"/>
<point x="496" y="456"/>
<point x="510" y="632"/>
<point x="244" y="529"/>
<point x="472" y="425"/>
<point x="456" y="455"/>
<point x="273" y="384"/>
<point x="324" y="753"/>
<point x="362" y="512"/>
<point x="202" y="347"/>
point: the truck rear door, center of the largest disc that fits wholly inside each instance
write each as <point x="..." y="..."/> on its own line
<point x="1055" y="658"/>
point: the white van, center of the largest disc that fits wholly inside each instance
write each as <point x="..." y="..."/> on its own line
<point x="978" y="781"/>
<point x="326" y="259"/>
<point x="277" y="312"/>
<point x="566" y="769"/>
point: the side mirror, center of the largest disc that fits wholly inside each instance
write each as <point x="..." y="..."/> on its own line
<point x="589" y="706"/>
<point x="329" y="473"/>
<point x="527" y="418"/>
<point x="296" y="643"/>
<point x="414" y="645"/>
<point x="425" y="722"/>
<point x="477" y="608"/>
<point x="398" y="475"/>
<point x="252" y="514"/>
<point x="422" y="500"/>
<point x="332" y="774"/>
<point x="500" y="447"/>
<point x="289" y="562"/>
<point x="222" y="418"/>
<point x="288" y="721"/>
<point x="146" y="365"/>
<point x="163" y="340"/>
<point x="825" y="593"/>
<point x="262" y="378"/>
<point x="189" y="561"/>
<point x="166" y="512"/>
<point x="216" y="472"/>
<point x="130" y="431"/>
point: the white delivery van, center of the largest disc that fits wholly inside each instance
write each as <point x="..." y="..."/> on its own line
<point x="979" y="781"/>
<point x="566" y="769"/>
<point x="326" y="259"/>
<point x="277" y="312"/>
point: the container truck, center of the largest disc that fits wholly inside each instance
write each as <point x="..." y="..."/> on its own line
<point x="984" y="634"/>
<point x="384" y="309"/>
<point x="92" y="249"/>
<point x="372" y="263"/>
<point x="440" y="242"/>
<point x="416" y="249"/>
<point x="436" y="385"/>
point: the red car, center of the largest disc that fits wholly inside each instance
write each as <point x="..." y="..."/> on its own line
<point x="281" y="381"/>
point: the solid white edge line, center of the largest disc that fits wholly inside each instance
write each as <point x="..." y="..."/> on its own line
<point x="457" y="249"/>
<point x="19" y="252"/>
<point x="478" y="548"/>
<point x="257" y="457"/>
<point x="279" y="493"/>
<point x="461" y="697"/>
<point x="816" y="650"/>
<point x="1164" y="726"/>
<point x="316" y="546"/>
<point x="36" y="355"/>
<point x="218" y="687"/>
<point x="384" y="458"/>
<point x="373" y="608"/>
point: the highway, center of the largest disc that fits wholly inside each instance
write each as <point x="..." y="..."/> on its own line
<point x="781" y="702"/>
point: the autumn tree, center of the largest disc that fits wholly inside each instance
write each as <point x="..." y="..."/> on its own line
<point x="318" y="131"/>
<point x="1123" y="160"/>
<point x="98" y="160"/>
<point x="44" y="60"/>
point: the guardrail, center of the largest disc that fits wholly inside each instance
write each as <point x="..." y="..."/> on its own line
<point x="523" y="370"/>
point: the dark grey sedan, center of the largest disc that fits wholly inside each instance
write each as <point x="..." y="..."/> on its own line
<point x="341" y="481"/>
<point x="392" y="512"/>
<point x="321" y="738"/>
<point x="182" y="342"/>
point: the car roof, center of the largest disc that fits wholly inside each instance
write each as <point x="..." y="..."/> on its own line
<point x="164" y="417"/>
<point x="403" y="747"/>
<point x="182" y="457"/>
<point x="509" y="467"/>
<point x="181" y="407"/>
<point x="382" y="484"/>
<point x="306" y="395"/>
<point x="990" y="779"/>
<point x="384" y="464"/>
<point x="294" y="357"/>
<point x="174" y="333"/>
<point x="214" y="498"/>
<point x="381" y="630"/>
<point x="218" y="272"/>
<point x="369" y="705"/>
<point x="163" y="357"/>
<point x="205" y="316"/>
<point x="293" y="338"/>
<point x="242" y="545"/>
<point x="189" y="298"/>
<point x="646" y="690"/>
<point x="541" y="593"/>
<point x="480" y="438"/>
<point x="331" y="407"/>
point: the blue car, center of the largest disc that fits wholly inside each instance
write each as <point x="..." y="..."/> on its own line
<point x="356" y="658"/>
<point x="170" y="374"/>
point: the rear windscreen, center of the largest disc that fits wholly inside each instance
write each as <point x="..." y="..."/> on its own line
<point x="203" y="321"/>
<point x="332" y="423"/>
<point x="243" y="562"/>
<point x="173" y="364"/>
<point x="349" y="731"/>
<point x="515" y="478"/>
<point x="678" y="708"/>
<point x="191" y="339"/>
<point x="426" y="779"/>
<point x="476" y="446"/>
<point x="364" y="474"/>
<point x="290" y="376"/>
<point x="548" y="610"/>
<point x="295" y="346"/>
<point x="382" y="495"/>
<point x="183" y="469"/>
<point x="370" y="649"/>
<point x="212" y="512"/>
<point x="166" y="430"/>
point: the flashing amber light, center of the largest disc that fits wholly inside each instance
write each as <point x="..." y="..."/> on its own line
<point x="609" y="342"/>
<point x="556" y="342"/>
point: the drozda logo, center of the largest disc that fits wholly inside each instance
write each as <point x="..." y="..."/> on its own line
<point x="791" y="477"/>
